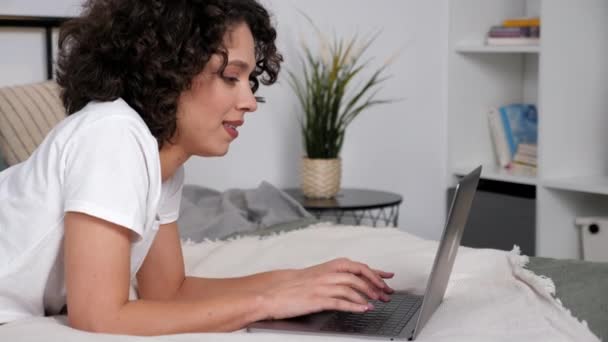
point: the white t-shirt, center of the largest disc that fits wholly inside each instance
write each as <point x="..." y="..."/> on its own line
<point x="102" y="161"/>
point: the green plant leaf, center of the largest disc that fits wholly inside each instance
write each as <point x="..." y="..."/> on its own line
<point x="324" y="91"/>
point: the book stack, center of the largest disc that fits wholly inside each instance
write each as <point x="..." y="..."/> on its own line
<point x="515" y="31"/>
<point x="514" y="133"/>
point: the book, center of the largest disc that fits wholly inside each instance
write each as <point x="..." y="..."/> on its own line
<point x="513" y="32"/>
<point x="520" y="123"/>
<point x="525" y="159"/>
<point x="498" y="137"/>
<point x="526" y="154"/>
<point x="527" y="149"/>
<point x="504" y="30"/>
<point x="519" y="169"/>
<point x="522" y="21"/>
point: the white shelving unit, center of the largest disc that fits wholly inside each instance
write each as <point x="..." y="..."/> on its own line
<point x="476" y="47"/>
<point x="592" y="184"/>
<point x="493" y="172"/>
<point x="566" y="76"/>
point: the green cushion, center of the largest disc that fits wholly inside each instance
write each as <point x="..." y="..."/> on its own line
<point x="581" y="286"/>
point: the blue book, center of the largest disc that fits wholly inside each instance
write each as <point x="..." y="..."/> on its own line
<point x="520" y="123"/>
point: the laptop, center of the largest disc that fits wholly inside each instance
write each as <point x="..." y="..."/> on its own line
<point x="406" y="314"/>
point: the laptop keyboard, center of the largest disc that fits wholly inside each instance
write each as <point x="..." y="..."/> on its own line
<point x="387" y="319"/>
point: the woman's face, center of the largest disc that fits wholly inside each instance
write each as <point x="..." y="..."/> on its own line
<point x="210" y="113"/>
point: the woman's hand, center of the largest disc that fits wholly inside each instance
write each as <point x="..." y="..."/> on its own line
<point x="340" y="284"/>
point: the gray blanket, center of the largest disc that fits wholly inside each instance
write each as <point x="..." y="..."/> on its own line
<point x="209" y="214"/>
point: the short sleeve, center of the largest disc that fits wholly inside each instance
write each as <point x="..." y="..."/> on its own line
<point x="107" y="174"/>
<point x="171" y="198"/>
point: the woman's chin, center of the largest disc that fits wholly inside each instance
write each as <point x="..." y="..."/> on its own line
<point x="218" y="152"/>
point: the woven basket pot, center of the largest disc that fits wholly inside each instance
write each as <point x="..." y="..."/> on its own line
<point x="320" y="178"/>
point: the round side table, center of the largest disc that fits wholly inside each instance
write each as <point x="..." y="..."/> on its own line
<point x="360" y="206"/>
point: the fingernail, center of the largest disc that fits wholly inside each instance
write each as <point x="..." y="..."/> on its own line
<point x="370" y="306"/>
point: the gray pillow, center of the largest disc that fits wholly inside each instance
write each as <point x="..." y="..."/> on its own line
<point x="209" y="214"/>
<point x="2" y="163"/>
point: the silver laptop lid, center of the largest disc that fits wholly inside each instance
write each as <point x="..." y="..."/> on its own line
<point x="448" y="246"/>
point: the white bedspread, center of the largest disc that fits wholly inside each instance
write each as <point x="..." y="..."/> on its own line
<point x="490" y="297"/>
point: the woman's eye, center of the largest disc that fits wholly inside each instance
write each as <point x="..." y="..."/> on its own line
<point x="230" y="79"/>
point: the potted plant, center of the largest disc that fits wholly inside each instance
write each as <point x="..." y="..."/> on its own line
<point x="330" y="102"/>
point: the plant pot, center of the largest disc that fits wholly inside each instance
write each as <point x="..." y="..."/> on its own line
<point x="320" y="178"/>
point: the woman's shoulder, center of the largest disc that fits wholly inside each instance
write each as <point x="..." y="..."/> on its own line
<point x="108" y="137"/>
<point x="115" y="113"/>
<point x="104" y="121"/>
<point x="106" y="130"/>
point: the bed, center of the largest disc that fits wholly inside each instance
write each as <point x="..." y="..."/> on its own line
<point x="220" y="240"/>
<point x="581" y="286"/>
<point x="491" y="295"/>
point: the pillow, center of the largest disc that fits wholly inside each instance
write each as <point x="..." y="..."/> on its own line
<point x="209" y="214"/>
<point x="27" y="114"/>
<point x="2" y="163"/>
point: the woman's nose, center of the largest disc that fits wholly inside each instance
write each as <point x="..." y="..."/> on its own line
<point x="248" y="102"/>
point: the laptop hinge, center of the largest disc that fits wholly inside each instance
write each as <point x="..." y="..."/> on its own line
<point x="408" y="332"/>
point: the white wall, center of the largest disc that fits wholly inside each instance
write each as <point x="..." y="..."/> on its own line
<point x="398" y="147"/>
<point x="23" y="58"/>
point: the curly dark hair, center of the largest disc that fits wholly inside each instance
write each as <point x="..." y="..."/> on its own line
<point x="148" y="51"/>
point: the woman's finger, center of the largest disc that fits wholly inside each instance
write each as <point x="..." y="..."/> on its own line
<point x="384" y="274"/>
<point x="325" y="304"/>
<point x="342" y="292"/>
<point x="364" y="270"/>
<point x="359" y="284"/>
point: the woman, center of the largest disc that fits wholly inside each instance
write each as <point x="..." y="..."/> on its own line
<point x="148" y="84"/>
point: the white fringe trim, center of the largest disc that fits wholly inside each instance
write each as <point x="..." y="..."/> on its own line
<point x="538" y="282"/>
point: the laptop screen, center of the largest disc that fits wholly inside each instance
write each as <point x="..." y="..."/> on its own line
<point x="448" y="246"/>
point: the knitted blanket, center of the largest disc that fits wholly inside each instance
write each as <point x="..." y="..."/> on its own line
<point x="490" y="296"/>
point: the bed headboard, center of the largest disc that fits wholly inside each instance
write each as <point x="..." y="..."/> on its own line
<point x="46" y="23"/>
<point x="28" y="112"/>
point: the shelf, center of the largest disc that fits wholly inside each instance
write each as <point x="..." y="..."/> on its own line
<point x="493" y="172"/>
<point x="592" y="184"/>
<point x="482" y="48"/>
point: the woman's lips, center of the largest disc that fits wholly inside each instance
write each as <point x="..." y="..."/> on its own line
<point x="231" y="128"/>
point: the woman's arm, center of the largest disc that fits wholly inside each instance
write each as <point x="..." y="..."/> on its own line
<point x="340" y="284"/>
<point x="162" y="274"/>
<point x="97" y="261"/>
